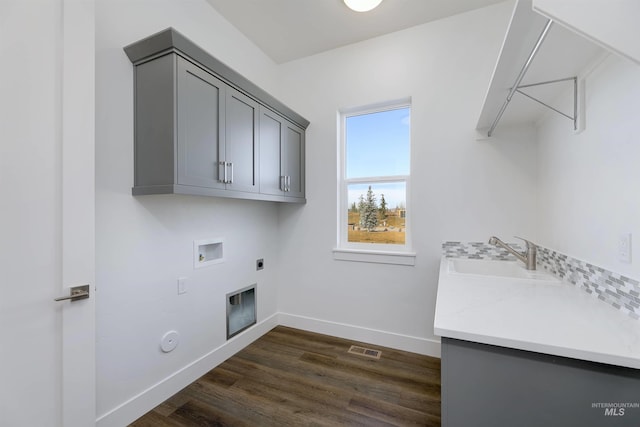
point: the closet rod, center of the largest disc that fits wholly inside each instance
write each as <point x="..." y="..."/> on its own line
<point x="524" y="70"/>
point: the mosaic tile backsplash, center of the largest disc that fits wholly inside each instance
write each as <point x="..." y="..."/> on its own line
<point x="620" y="291"/>
<point x="478" y="250"/>
<point x="615" y="289"/>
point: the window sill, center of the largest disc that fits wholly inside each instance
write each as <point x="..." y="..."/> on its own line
<point x="378" y="257"/>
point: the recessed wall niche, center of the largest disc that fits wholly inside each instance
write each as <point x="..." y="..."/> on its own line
<point x="207" y="252"/>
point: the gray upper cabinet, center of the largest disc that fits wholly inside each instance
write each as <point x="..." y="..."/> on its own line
<point x="200" y="126"/>
<point x="293" y="160"/>
<point x="282" y="156"/>
<point x="271" y="131"/>
<point x="203" y="129"/>
<point x="156" y="139"/>
<point x="241" y="142"/>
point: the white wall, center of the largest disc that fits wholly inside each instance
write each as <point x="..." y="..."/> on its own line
<point x="588" y="182"/>
<point x="463" y="189"/>
<point x="145" y="243"/>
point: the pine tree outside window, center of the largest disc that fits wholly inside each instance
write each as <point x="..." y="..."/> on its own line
<point x="374" y="164"/>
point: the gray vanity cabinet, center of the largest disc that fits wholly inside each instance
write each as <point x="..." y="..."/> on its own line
<point x="281" y="156"/>
<point x="486" y="386"/>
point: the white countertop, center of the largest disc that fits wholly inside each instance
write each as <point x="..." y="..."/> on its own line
<point x="545" y="317"/>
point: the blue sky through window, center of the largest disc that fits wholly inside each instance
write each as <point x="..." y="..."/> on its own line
<point x="377" y="144"/>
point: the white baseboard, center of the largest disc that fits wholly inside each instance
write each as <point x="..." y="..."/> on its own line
<point x="418" y="345"/>
<point x="148" y="399"/>
<point x="139" y="405"/>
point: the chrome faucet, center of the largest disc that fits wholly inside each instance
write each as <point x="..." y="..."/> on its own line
<point x="528" y="256"/>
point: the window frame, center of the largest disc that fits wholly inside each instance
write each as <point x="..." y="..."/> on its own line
<point x="370" y="252"/>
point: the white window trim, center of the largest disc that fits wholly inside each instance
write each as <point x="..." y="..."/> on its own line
<point x="377" y="257"/>
<point x="370" y="252"/>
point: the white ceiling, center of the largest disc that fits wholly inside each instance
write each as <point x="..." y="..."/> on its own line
<point x="290" y="29"/>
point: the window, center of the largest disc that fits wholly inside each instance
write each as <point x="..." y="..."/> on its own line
<point x="374" y="181"/>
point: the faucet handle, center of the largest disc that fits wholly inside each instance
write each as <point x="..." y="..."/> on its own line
<point x="529" y="243"/>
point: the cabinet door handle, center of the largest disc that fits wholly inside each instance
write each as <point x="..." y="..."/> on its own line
<point x="222" y="165"/>
<point x="288" y="183"/>
<point x="282" y="182"/>
<point x="231" y="174"/>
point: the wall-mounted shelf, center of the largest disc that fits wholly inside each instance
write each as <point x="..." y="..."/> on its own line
<point x="562" y="55"/>
<point x="610" y="24"/>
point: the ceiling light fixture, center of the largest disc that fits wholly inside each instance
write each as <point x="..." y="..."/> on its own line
<point x="362" y="5"/>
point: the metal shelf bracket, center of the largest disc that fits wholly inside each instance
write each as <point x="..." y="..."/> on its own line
<point x="573" y="118"/>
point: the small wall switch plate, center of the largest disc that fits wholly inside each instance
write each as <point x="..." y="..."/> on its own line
<point x="182" y="285"/>
<point x="260" y="264"/>
<point x="624" y="247"/>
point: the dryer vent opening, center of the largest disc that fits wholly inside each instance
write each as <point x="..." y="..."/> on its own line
<point x="241" y="310"/>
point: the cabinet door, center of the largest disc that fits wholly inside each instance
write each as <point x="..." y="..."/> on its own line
<point x="241" y="142"/>
<point x="200" y="110"/>
<point x="271" y="129"/>
<point x="293" y="159"/>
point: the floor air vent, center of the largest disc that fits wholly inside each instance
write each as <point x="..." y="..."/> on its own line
<point x="367" y="352"/>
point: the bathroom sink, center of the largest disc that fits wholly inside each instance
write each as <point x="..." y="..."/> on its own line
<point x="493" y="268"/>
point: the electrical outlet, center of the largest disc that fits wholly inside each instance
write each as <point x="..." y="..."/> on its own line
<point x="624" y="247"/>
<point x="182" y="285"/>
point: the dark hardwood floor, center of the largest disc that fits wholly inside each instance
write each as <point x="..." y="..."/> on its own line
<point x="290" y="377"/>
